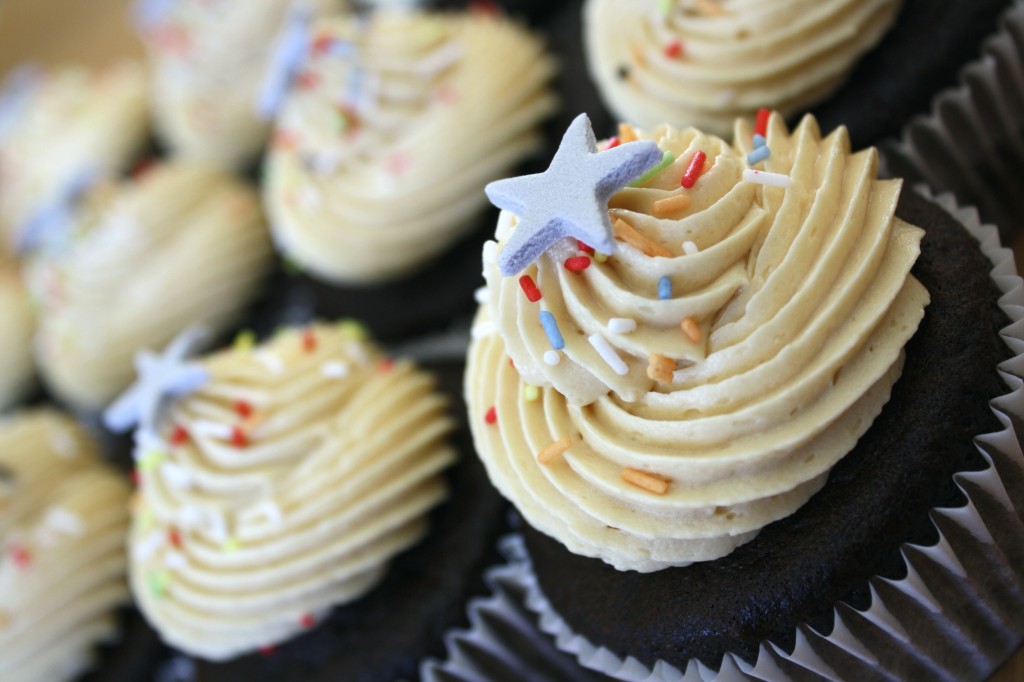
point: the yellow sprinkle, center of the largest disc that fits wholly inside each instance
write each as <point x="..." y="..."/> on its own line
<point x="627" y="133"/>
<point x="660" y="368"/>
<point x="691" y="329"/>
<point x="353" y="329"/>
<point x="231" y="545"/>
<point x="556" y="449"/>
<point x="673" y="204"/>
<point x="530" y="393"/>
<point x="649" y="482"/>
<point x="627" y="233"/>
<point x="600" y="257"/>
<point x="245" y="340"/>
<point x="150" y="460"/>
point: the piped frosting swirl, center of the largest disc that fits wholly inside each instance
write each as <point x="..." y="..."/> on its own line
<point x="63" y="518"/>
<point x="396" y="124"/>
<point x="777" y="344"/>
<point x="282" y="488"/>
<point x="704" y="62"/>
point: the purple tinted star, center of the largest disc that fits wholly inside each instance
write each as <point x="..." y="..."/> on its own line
<point x="570" y="198"/>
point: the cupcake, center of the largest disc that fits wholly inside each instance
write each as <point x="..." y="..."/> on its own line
<point x="63" y="517"/>
<point x="209" y="62"/>
<point x="16" y="375"/>
<point x="725" y="424"/>
<point x="396" y="123"/>
<point x="60" y="126"/>
<point x="134" y="264"/>
<point x="704" y="62"/>
<point x="278" y="484"/>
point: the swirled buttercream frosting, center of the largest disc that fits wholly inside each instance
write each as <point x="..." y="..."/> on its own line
<point x="716" y="366"/>
<point x="16" y="371"/>
<point x="702" y="63"/>
<point x="395" y="125"/>
<point x="282" y="488"/>
<point x="59" y="124"/>
<point x="185" y="244"/>
<point x="209" y="61"/>
<point x="63" y="519"/>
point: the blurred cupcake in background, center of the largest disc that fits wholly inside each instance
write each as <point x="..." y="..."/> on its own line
<point x="133" y="264"/>
<point x="209" y="63"/>
<point x="58" y="125"/>
<point x="18" y="323"/>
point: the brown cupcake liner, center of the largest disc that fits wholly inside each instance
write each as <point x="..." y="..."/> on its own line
<point x="972" y="142"/>
<point x="957" y="614"/>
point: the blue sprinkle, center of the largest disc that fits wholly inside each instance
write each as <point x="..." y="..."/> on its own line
<point x="551" y="329"/>
<point x="664" y="288"/>
<point x="759" y="141"/>
<point x="758" y="155"/>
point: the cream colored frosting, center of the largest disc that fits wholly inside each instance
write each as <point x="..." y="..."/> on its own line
<point x="74" y="121"/>
<point x="309" y="462"/>
<point x="16" y="328"/>
<point x="209" y="61"/>
<point x="733" y="56"/>
<point x="804" y="301"/>
<point x="63" y="519"/>
<point x="185" y="244"/>
<point x="379" y="163"/>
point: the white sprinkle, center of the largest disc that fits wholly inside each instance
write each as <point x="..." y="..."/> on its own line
<point x="215" y="527"/>
<point x="62" y="520"/>
<point x="490" y="251"/>
<point x="608" y="354"/>
<point x="335" y="370"/>
<point x="552" y="357"/>
<point x="357" y="351"/>
<point x="481" y="295"/>
<point x="621" y="325"/>
<point x="207" y="428"/>
<point x="727" y="96"/>
<point x="690" y="249"/>
<point x="44" y="537"/>
<point x="190" y="516"/>
<point x="765" y="178"/>
<point x="147" y="546"/>
<point x="269" y="510"/>
<point x="274" y="364"/>
<point x="177" y="476"/>
<point x="63" y="443"/>
<point x="485" y="328"/>
<point x="309" y="198"/>
<point x="175" y="560"/>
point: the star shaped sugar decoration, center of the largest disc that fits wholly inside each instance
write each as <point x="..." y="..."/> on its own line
<point x="290" y="51"/>
<point x="570" y="198"/>
<point x="49" y="227"/>
<point x="160" y="378"/>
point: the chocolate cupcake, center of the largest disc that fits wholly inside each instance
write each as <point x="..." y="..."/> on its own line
<point x="675" y="532"/>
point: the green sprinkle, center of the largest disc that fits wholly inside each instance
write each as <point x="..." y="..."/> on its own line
<point x="245" y="340"/>
<point x="600" y="257"/>
<point x="290" y="267"/>
<point x="667" y="159"/>
<point x="342" y="122"/>
<point x="665" y="6"/>
<point x="158" y="581"/>
<point x="151" y="460"/>
<point x="530" y="393"/>
<point x="353" y="329"/>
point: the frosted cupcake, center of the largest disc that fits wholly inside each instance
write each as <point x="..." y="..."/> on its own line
<point x="279" y="483"/>
<point x="16" y="373"/>
<point x="719" y="421"/>
<point x="395" y="124"/>
<point x="210" y="61"/>
<point x="134" y="264"/>
<point x="61" y="126"/>
<point x="63" y="517"/>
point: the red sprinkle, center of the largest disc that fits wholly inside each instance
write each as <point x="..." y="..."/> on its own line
<point x="612" y="144"/>
<point x="174" y="537"/>
<point x="761" y="124"/>
<point x="484" y="7"/>
<point x="322" y="44"/>
<point x="511" y="364"/>
<point x="238" y="437"/>
<point x="385" y="365"/>
<point x="578" y="263"/>
<point x="178" y="436"/>
<point x="21" y="557"/>
<point x="674" y="50"/>
<point x="142" y="168"/>
<point x="491" y="416"/>
<point x="243" y="409"/>
<point x="693" y="171"/>
<point x="584" y="248"/>
<point x="307" y="620"/>
<point x="529" y="288"/>
<point x="284" y="139"/>
<point x="136" y="477"/>
<point x="267" y="650"/>
<point x="309" y="340"/>
<point x="307" y="80"/>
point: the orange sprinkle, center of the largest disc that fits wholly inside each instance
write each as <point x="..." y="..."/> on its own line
<point x="649" y="482"/>
<point x="626" y="133"/>
<point x="638" y="54"/>
<point x="664" y="207"/>
<point x="385" y="365"/>
<point x="691" y="329"/>
<point x="243" y="409"/>
<point x="174" y="537"/>
<point x="556" y="449"/>
<point x="627" y="233"/>
<point x="660" y="368"/>
<point x="309" y="340"/>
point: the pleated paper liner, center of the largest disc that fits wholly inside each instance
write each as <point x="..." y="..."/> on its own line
<point x="972" y="142"/>
<point x="957" y="614"/>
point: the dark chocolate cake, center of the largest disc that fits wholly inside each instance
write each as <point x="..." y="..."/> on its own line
<point x="877" y="497"/>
